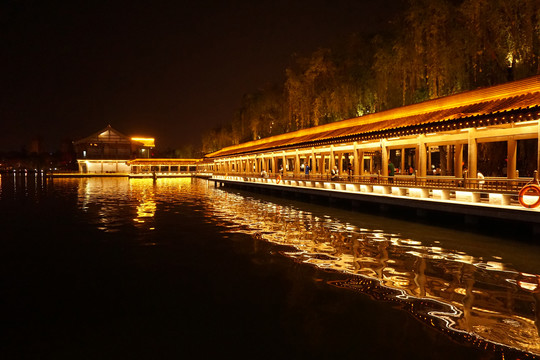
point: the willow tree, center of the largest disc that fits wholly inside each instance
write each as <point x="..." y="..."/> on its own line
<point x="436" y="56"/>
<point x="309" y="90"/>
<point x="352" y="94"/>
<point x="260" y="114"/>
<point x="506" y="40"/>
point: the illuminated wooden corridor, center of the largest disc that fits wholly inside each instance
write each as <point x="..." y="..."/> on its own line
<point x="433" y="148"/>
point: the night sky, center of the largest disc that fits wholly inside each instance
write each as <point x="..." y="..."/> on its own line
<point x="164" y="69"/>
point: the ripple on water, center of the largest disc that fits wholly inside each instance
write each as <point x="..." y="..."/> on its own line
<point x="466" y="296"/>
<point x="475" y="298"/>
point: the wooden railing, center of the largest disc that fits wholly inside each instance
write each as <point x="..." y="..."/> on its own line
<point x="488" y="184"/>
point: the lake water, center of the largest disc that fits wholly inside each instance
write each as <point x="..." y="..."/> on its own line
<point x="102" y="268"/>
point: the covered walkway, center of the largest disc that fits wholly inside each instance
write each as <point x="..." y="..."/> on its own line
<point x="484" y="140"/>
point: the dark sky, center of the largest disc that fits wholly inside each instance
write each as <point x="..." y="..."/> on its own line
<point x="166" y="69"/>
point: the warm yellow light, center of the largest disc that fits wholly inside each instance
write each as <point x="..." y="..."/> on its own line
<point x="149" y="142"/>
<point x="527" y="285"/>
<point x="526" y="123"/>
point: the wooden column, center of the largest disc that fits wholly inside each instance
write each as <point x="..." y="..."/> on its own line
<point x="358" y="154"/>
<point x="296" y="163"/>
<point x="428" y="152"/>
<point x="384" y="155"/>
<point x="422" y="156"/>
<point x="472" y="154"/>
<point x="458" y="160"/>
<point x="313" y="160"/>
<point x="538" y="154"/>
<point x="340" y="163"/>
<point x="361" y="170"/>
<point x="402" y="167"/>
<point x="332" y="161"/>
<point x="448" y="160"/>
<point x="511" y="165"/>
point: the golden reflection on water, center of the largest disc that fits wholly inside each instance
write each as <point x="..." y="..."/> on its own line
<point x="143" y="191"/>
<point x="468" y="295"/>
<point x="106" y="200"/>
<point x="449" y="289"/>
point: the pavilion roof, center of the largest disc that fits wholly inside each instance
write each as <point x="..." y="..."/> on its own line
<point x="106" y="135"/>
<point x="510" y="102"/>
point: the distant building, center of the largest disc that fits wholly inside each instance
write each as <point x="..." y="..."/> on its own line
<point x="109" y="151"/>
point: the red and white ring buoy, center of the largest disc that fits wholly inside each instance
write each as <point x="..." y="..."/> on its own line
<point x="278" y="179"/>
<point x="529" y="190"/>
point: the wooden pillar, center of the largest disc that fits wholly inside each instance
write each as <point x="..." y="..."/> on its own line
<point x="297" y="163"/>
<point x="313" y="160"/>
<point x="361" y="170"/>
<point x="340" y="163"/>
<point x="448" y="160"/>
<point x="511" y="165"/>
<point x="332" y="161"/>
<point x="402" y="167"/>
<point x="422" y="156"/>
<point x="428" y="152"/>
<point x="274" y="170"/>
<point x="358" y="154"/>
<point x="472" y="154"/>
<point x="384" y="154"/>
<point x="458" y="160"/>
<point x="538" y="154"/>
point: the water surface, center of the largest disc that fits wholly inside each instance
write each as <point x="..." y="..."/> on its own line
<point x="109" y="267"/>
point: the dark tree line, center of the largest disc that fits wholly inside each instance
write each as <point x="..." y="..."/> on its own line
<point x="436" y="48"/>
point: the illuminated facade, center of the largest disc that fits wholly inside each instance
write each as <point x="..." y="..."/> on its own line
<point x="438" y="137"/>
<point x="109" y="151"/>
<point x="477" y="146"/>
<point x="163" y="167"/>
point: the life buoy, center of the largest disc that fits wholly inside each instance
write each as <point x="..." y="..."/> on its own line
<point x="529" y="190"/>
<point x="278" y="179"/>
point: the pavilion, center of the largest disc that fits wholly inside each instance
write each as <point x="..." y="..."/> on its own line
<point x="109" y="151"/>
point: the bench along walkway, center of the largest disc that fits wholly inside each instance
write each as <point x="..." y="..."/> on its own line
<point x="491" y="198"/>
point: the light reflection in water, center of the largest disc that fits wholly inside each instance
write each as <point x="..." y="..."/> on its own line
<point x="143" y="191"/>
<point x="486" y="302"/>
<point x="464" y="295"/>
<point x="106" y="201"/>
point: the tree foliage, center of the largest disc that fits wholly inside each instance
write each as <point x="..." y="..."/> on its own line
<point x="436" y="48"/>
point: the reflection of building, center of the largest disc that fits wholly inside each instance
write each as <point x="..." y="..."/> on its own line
<point x="108" y="151"/>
